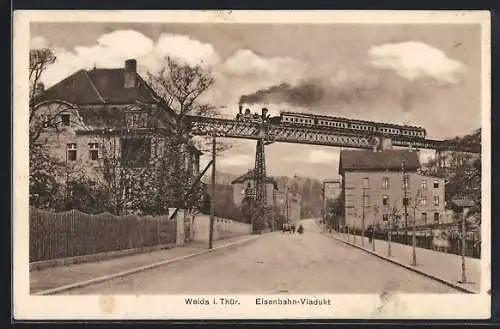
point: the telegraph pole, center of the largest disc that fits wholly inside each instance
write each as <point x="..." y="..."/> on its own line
<point x="414" y="234"/>
<point x="212" y="199"/>
<point x="287" y="205"/>
<point x="405" y="199"/>
<point x="324" y="206"/>
<point x="275" y="212"/>
<point x="363" y="220"/>
<point x="464" y="278"/>
<point x="389" y="235"/>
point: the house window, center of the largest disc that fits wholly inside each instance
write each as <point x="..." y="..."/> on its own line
<point x="135" y="152"/>
<point x="436" y="184"/>
<point x="385" y="200"/>
<point x="436" y="217"/>
<point x="93" y="151"/>
<point x="137" y="119"/>
<point x="406" y="181"/>
<point x="65" y="119"/>
<point x="385" y="183"/>
<point x="71" y="150"/>
<point x="424" y="185"/>
<point x="366" y="200"/>
<point x="424" y="217"/>
<point x="366" y="183"/>
<point x="423" y="201"/>
<point x="385" y="217"/>
<point x="436" y="200"/>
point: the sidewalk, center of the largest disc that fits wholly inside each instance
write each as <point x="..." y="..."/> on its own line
<point x="55" y="277"/>
<point x="442" y="266"/>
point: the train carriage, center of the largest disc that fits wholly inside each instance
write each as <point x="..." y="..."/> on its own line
<point x="312" y="120"/>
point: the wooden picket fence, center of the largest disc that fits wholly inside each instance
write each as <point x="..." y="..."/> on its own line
<point x="74" y="233"/>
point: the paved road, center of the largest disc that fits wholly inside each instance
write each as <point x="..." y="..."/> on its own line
<point x="274" y="263"/>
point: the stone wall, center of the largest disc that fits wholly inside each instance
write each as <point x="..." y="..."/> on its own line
<point x="223" y="228"/>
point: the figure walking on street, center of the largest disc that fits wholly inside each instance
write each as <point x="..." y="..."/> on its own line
<point x="369" y="232"/>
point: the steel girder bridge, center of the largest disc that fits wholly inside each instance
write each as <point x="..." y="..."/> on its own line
<point x="266" y="133"/>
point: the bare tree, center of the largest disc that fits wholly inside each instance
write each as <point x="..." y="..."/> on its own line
<point x="40" y="60"/>
<point x="414" y="203"/>
<point x="45" y="190"/>
<point x="180" y="87"/>
<point x="134" y="175"/>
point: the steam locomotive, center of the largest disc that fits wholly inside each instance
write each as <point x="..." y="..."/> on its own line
<point x="312" y="120"/>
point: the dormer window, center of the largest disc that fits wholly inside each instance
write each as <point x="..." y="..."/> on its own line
<point x="65" y="119"/>
<point x="137" y="120"/>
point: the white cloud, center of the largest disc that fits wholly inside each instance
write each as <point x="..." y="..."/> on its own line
<point x="313" y="157"/>
<point x="236" y="160"/>
<point x="184" y="48"/>
<point x="320" y="156"/>
<point x="246" y="62"/>
<point x="112" y="49"/>
<point x="245" y="72"/>
<point x="414" y="60"/>
<point x="38" y="42"/>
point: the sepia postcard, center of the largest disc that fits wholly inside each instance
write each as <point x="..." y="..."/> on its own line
<point x="251" y="165"/>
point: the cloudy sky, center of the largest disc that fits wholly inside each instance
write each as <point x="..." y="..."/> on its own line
<point x="425" y="75"/>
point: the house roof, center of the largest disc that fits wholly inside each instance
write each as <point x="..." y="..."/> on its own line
<point x="250" y="175"/>
<point x="382" y="160"/>
<point x="99" y="86"/>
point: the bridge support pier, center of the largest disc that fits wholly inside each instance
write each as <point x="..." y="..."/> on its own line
<point x="260" y="187"/>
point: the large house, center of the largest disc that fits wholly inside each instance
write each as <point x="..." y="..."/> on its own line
<point x="110" y="124"/>
<point x="246" y="182"/>
<point x="376" y="192"/>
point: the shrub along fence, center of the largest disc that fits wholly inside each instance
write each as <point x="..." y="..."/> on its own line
<point x="73" y="233"/>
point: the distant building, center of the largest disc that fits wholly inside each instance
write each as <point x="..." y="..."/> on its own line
<point x="373" y="188"/>
<point x="333" y="189"/>
<point x="247" y="182"/>
<point x="292" y="207"/>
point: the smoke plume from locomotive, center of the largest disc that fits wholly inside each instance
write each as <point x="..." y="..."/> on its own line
<point x="303" y="94"/>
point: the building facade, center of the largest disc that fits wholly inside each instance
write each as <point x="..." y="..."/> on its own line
<point x="333" y="189"/>
<point x="292" y="207"/>
<point x="111" y="126"/>
<point x="377" y="193"/>
<point x="247" y="182"/>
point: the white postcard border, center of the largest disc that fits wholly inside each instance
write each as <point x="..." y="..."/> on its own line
<point x="400" y="306"/>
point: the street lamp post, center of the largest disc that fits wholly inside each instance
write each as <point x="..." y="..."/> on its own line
<point x="363" y="220"/>
<point x="389" y="233"/>
<point x="414" y="233"/>
<point x="212" y="199"/>
<point x="405" y="199"/>
<point x="391" y="219"/>
<point x="275" y="214"/>
<point x="464" y="278"/>
<point x="376" y="223"/>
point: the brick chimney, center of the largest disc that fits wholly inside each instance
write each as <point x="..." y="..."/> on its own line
<point x="130" y="73"/>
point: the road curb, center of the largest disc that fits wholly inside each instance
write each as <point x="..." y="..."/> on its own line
<point x="408" y="267"/>
<point x="138" y="269"/>
<point x="43" y="264"/>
